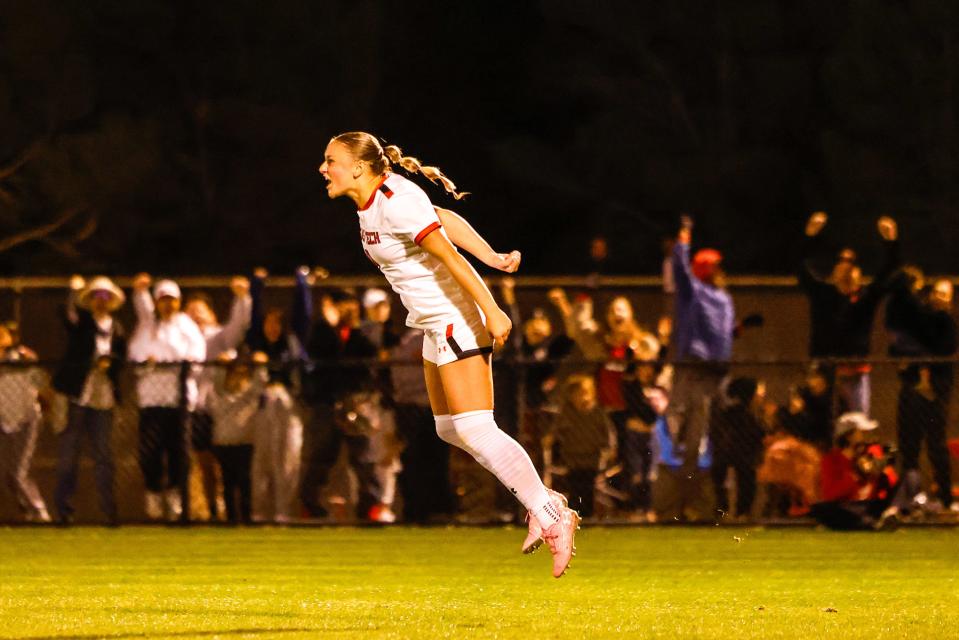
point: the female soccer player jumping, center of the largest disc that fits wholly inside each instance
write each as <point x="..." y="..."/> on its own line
<point x="412" y="243"/>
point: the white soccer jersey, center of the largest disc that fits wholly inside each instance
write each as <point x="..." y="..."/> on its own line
<point x="392" y="224"/>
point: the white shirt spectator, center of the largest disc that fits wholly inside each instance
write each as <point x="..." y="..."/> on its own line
<point x="175" y="340"/>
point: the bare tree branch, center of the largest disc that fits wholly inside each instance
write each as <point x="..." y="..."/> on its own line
<point x="39" y="232"/>
<point x="25" y="157"/>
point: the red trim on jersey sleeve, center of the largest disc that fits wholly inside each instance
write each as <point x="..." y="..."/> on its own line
<point x="369" y="203"/>
<point x="427" y="231"/>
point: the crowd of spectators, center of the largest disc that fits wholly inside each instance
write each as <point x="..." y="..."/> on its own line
<point x="282" y="414"/>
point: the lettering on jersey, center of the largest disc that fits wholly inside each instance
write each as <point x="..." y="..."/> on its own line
<point x="370" y="237"/>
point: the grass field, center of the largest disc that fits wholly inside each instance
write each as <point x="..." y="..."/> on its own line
<point x="430" y="583"/>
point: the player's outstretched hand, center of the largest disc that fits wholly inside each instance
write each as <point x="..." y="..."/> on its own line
<point x="498" y="325"/>
<point x="508" y="262"/>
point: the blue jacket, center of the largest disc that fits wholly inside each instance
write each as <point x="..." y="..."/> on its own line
<point x="668" y="453"/>
<point x="704" y="319"/>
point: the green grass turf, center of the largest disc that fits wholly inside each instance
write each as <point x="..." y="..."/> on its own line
<point x="429" y="583"/>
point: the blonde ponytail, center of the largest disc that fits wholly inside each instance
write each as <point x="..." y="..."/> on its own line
<point x="365" y="147"/>
<point x="411" y="165"/>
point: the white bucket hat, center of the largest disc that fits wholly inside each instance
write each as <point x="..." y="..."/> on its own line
<point x="97" y="285"/>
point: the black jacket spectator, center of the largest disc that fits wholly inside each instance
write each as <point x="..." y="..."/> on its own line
<point x="81" y="346"/>
<point x="918" y="329"/>
<point x="332" y="349"/>
<point x="840" y="324"/>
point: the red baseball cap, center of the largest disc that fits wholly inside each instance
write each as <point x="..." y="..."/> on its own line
<point x="705" y="264"/>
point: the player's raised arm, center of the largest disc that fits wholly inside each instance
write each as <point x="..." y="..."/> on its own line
<point x="497" y="322"/>
<point x="464" y="236"/>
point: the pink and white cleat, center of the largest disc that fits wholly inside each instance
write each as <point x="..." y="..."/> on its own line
<point x="561" y="538"/>
<point x="535" y="536"/>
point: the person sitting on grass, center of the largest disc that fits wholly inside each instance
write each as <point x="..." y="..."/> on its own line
<point x="859" y="487"/>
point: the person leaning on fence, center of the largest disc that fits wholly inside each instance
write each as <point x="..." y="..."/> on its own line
<point x="278" y="435"/>
<point x="679" y="494"/>
<point x="582" y="441"/>
<point x="89" y="376"/>
<point x="807" y="414"/>
<point x="384" y="449"/>
<point x="858" y="486"/>
<point x="541" y="350"/>
<point x="340" y="393"/>
<point x="842" y="309"/>
<point x="165" y="339"/>
<point x="703" y="328"/>
<point x="921" y="323"/>
<point x="635" y="440"/>
<point x="220" y="339"/>
<point x="233" y="403"/>
<point x="20" y="424"/>
<point x="736" y="429"/>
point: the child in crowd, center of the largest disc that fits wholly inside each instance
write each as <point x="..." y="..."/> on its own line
<point x="736" y="430"/>
<point x="233" y="403"/>
<point x="584" y="440"/>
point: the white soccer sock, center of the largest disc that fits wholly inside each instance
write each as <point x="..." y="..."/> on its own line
<point x="446" y="431"/>
<point x="476" y="433"/>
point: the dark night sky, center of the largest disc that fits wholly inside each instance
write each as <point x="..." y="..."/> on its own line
<point x="190" y="131"/>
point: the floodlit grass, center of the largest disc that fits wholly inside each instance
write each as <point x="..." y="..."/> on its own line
<point x="429" y="583"/>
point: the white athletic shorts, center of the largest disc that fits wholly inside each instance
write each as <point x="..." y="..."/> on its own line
<point x="460" y="339"/>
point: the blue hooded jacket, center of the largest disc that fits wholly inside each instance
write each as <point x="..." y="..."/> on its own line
<point x="704" y="318"/>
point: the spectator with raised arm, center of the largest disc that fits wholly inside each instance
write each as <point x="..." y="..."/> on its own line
<point x="339" y="390"/>
<point x="220" y="339"/>
<point x="89" y="376"/>
<point x="165" y="339"/>
<point x="278" y="440"/>
<point x="703" y="327"/>
<point x="20" y="424"/>
<point x="842" y="309"/>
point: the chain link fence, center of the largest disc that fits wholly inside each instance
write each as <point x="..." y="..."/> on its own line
<point x="221" y="442"/>
<point x="284" y="443"/>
